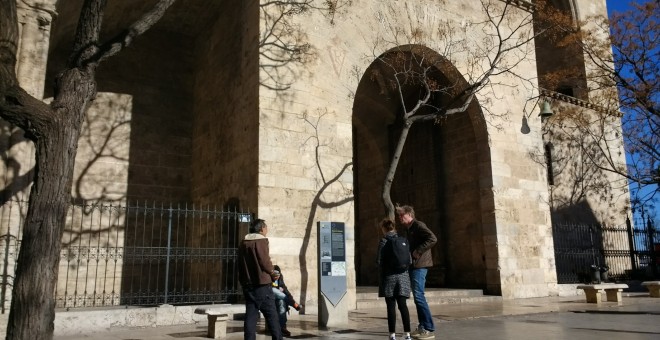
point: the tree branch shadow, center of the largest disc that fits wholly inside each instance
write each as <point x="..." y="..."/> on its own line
<point x="318" y="202"/>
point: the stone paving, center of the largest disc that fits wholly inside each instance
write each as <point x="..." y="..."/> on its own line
<point x="638" y="317"/>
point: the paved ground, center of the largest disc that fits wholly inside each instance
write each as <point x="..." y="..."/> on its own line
<point x="540" y="318"/>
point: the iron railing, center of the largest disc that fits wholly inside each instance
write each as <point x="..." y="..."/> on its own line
<point x="625" y="252"/>
<point x="136" y="254"/>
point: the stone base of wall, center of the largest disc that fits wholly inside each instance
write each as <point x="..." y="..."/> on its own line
<point x="105" y="319"/>
<point x="569" y="289"/>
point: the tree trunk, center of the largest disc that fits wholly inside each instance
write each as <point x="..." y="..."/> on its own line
<point x="32" y="312"/>
<point x="55" y="130"/>
<point x="389" y="178"/>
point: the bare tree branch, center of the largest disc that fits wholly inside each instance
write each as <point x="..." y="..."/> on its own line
<point x="123" y="40"/>
<point x="26" y="112"/>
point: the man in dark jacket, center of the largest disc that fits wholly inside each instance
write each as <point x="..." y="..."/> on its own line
<point x="421" y="240"/>
<point x="255" y="273"/>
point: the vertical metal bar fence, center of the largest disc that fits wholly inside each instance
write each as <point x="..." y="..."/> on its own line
<point x="135" y="254"/>
<point x="626" y="252"/>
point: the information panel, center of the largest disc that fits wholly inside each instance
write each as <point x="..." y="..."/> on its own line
<point x="332" y="260"/>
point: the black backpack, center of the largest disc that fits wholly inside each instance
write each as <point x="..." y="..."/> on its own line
<point x="396" y="253"/>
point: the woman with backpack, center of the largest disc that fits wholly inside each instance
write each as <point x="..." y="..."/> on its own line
<point x="394" y="281"/>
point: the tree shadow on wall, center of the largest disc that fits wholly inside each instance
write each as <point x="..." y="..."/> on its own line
<point x="584" y="196"/>
<point x="101" y="162"/>
<point x="101" y="170"/>
<point x="95" y="220"/>
<point x="15" y="181"/>
<point x="283" y="45"/>
<point x="318" y="202"/>
<point x="283" y="48"/>
<point x="582" y="189"/>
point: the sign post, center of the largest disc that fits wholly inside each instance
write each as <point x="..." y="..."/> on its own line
<point x="333" y="311"/>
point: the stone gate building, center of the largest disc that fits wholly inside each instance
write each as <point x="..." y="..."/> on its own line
<point x="233" y="103"/>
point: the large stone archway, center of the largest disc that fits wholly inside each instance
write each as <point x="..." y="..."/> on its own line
<point x="442" y="173"/>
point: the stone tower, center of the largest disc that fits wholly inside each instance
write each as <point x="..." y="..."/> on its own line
<point x="291" y="116"/>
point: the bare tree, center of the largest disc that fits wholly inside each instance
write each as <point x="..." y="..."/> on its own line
<point x="623" y="89"/>
<point x="414" y="74"/>
<point x="55" y="129"/>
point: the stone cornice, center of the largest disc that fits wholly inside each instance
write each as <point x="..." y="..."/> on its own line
<point x="577" y="102"/>
<point x="38" y="7"/>
<point x="523" y="4"/>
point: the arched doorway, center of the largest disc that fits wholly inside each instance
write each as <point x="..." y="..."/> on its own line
<point x="444" y="173"/>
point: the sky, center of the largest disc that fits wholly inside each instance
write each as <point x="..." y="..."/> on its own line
<point x="618" y="5"/>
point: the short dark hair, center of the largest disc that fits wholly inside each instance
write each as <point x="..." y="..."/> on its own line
<point x="257" y="225"/>
<point x="406" y="209"/>
<point x="387" y="224"/>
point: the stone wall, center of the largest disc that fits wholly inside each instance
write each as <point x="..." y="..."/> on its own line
<point x="225" y="136"/>
<point x="155" y="73"/>
<point x="225" y="128"/>
<point x="162" y="117"/>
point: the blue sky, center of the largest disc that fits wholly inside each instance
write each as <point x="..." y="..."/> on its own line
<point x="617" y="5"/>
<point x="622" y="5"/>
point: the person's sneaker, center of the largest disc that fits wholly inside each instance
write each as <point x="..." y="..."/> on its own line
<point x="392" y="337"/>
<point x="407" y="337"/>
<point x="416" y="332"/>
<point x="424" y="334"/>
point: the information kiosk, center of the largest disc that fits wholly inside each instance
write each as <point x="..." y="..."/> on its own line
<point x="333" y="312"/>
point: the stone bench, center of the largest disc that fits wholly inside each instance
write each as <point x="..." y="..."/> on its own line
<point x="217" y="328"/>
<point x="653" y="287"/>
<point x="612" y="291"/>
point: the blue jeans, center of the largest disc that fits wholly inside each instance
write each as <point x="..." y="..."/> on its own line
<point x="280" y="303"/>
<point x="260" y="299"/>
<point x="417" y="282"/>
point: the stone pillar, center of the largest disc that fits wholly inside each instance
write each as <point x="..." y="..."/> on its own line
<point x="585" y="11"/>
<point x="34" y="21"/>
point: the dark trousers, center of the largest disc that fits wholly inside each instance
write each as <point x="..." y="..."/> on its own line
<point x="260" y="299"/>
<point x="392" y="302"/>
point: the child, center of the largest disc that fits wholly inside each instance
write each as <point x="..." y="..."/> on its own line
<point x="283" y="299"/>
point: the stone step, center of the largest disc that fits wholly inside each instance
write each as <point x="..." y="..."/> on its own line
<point x="367" y="297"/>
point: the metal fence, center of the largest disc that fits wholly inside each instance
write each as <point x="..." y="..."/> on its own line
<point x="624" y="252"/>
<point x="136" y="254"/>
